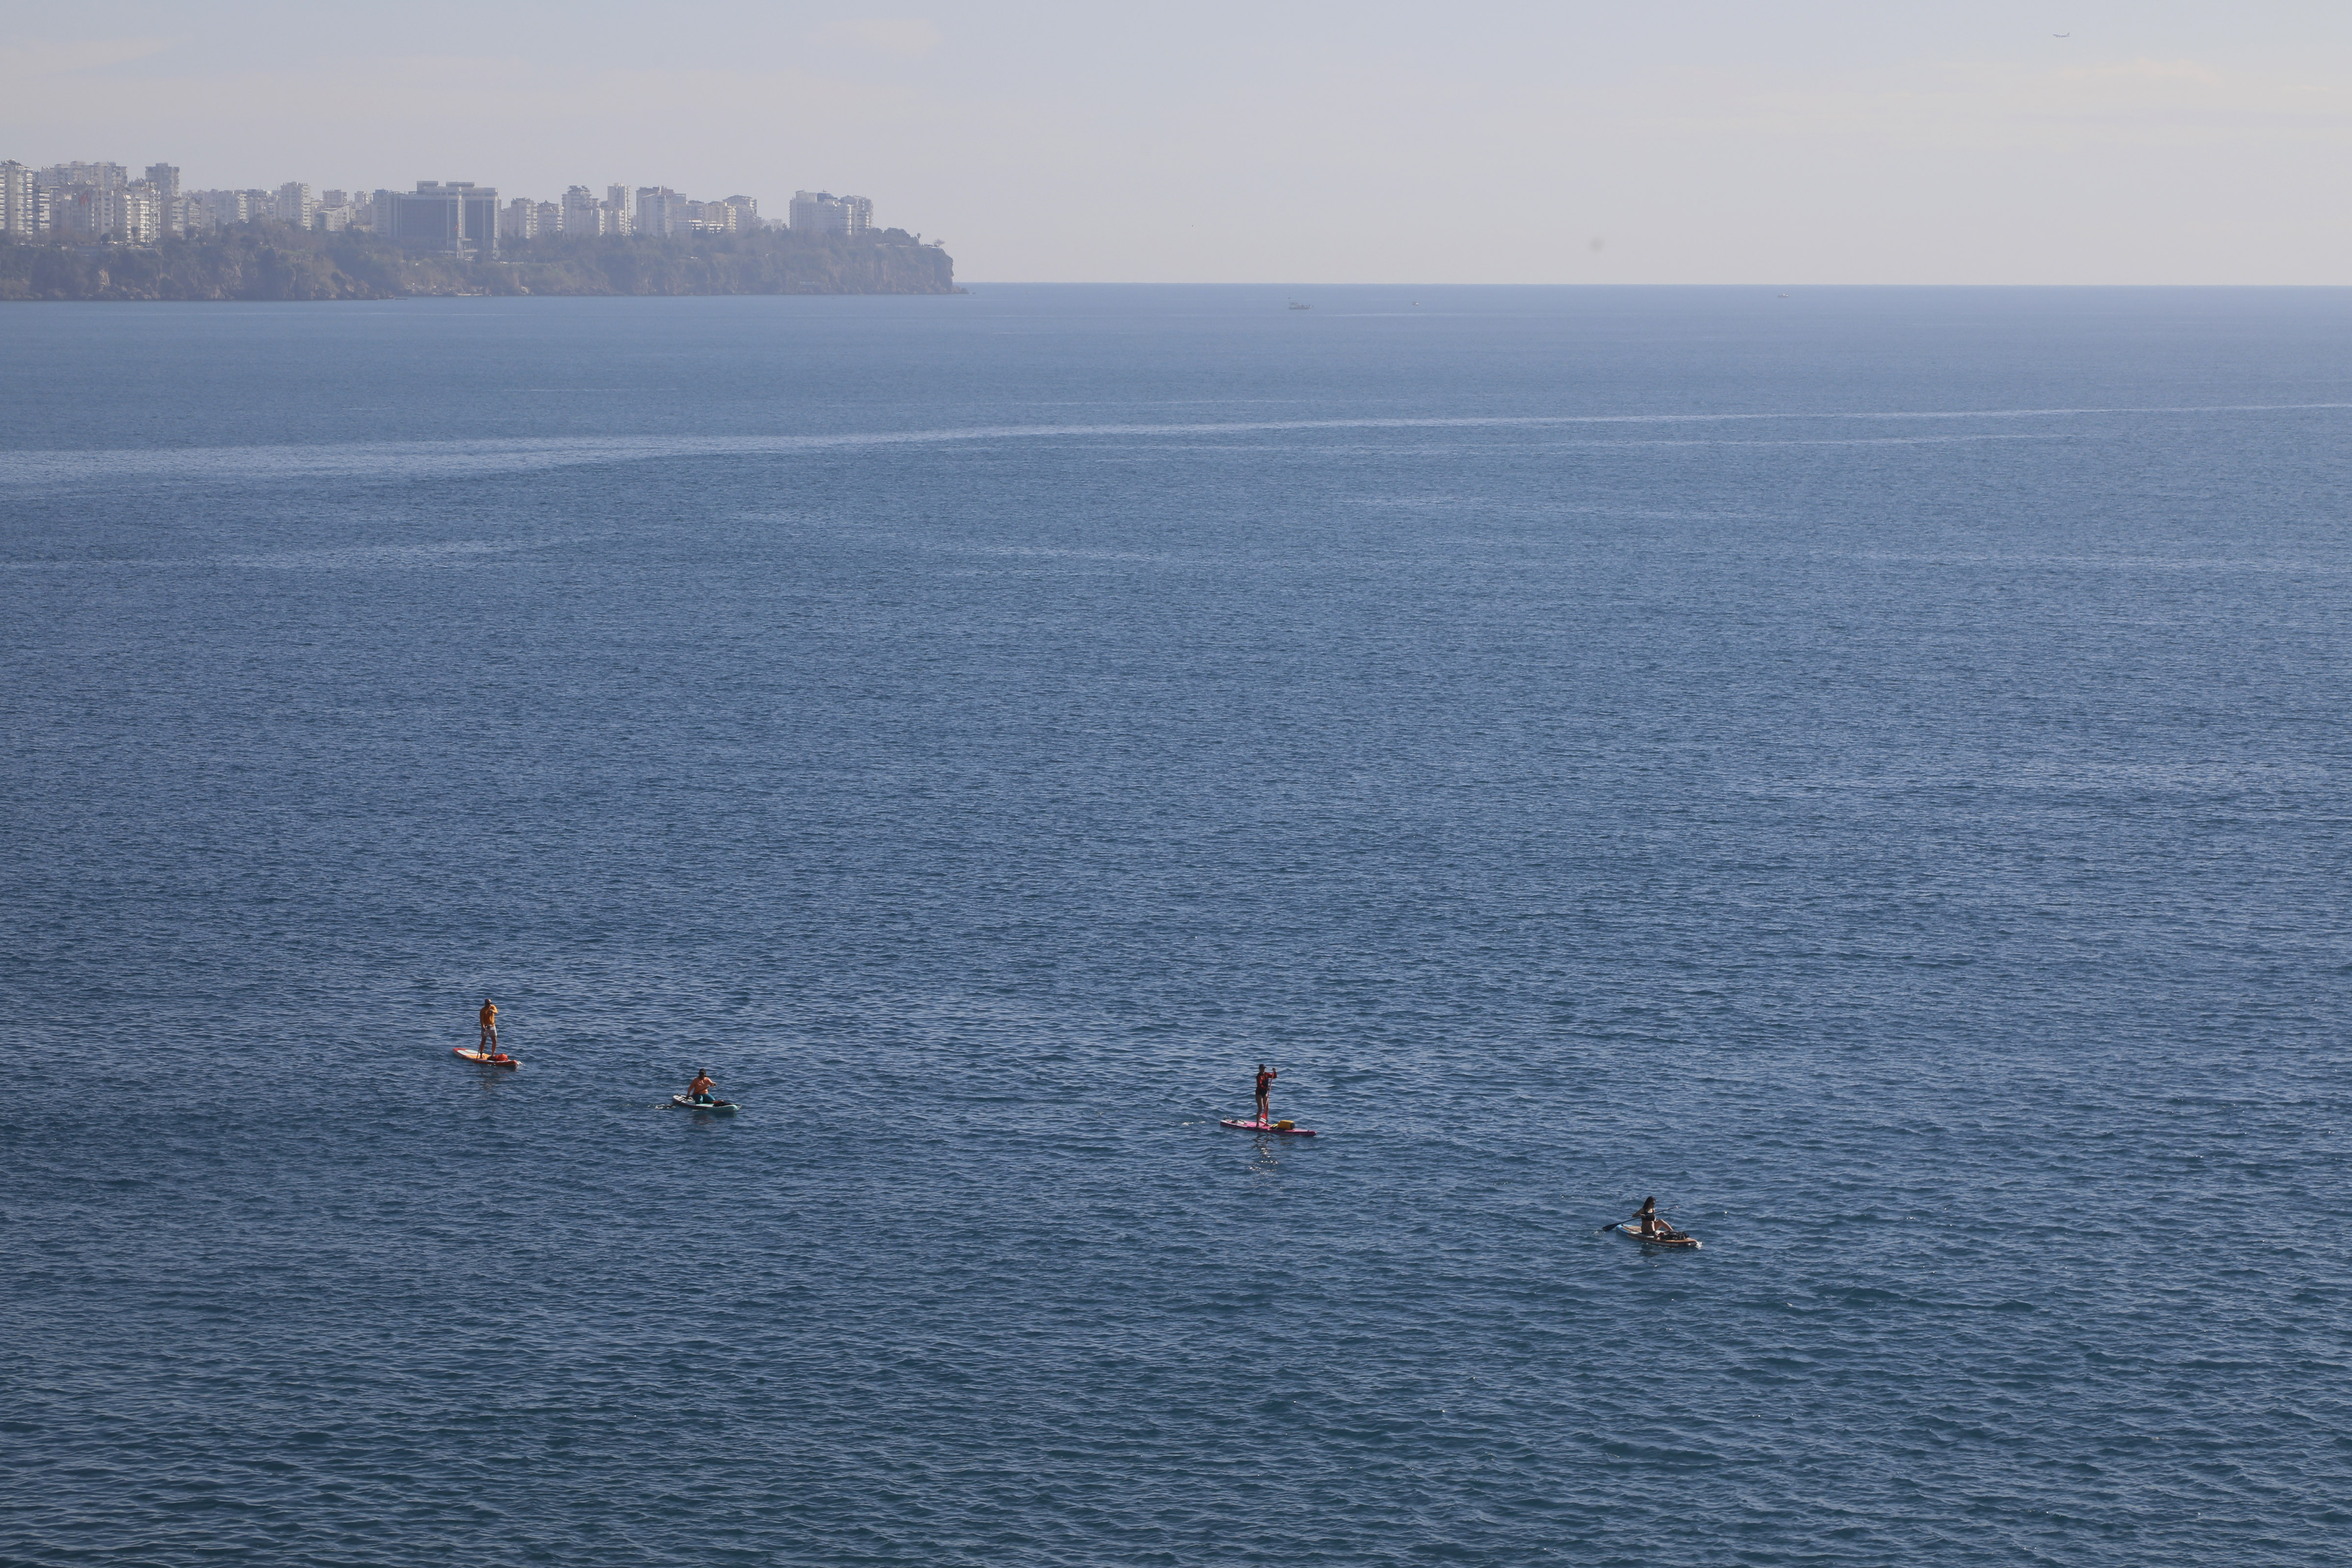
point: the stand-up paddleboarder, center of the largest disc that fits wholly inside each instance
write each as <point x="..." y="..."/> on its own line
<point x="490" y="1016"/>
<point x="1264" y="1087"/>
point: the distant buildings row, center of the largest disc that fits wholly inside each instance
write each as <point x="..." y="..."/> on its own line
<point x="101" y="202"/>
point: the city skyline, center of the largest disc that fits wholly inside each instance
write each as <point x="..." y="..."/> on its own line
<point x="1820" y="142"/>
<point x="98" y="199"/>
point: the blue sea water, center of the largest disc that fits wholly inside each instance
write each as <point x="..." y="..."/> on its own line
<point x="1870" y="767"/>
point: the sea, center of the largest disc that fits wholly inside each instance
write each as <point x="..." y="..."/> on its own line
<point x="1871" y="768"/>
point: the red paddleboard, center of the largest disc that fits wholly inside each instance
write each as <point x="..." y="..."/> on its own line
<point x="1269" y="1127"/>
<point x="500" y="1060"/>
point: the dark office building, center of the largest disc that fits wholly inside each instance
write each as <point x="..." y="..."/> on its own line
<point x="441" y="215"/>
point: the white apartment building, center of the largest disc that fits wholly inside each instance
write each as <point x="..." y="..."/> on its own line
<point x="137" y="215"/>
<point x="295" y="205"/>
<point x="24" y="205"/>
<point x="584" y="214"/>
<point x="661" y="211"/>
<point x="104" y="176"/>
<point x="222" y="207"/>
<point x="822" y="212"/>
<point x="519" y="219"/>
<point x="734" y="214"/>
<point x="171" y="217"/>
<point x="581" y="213"/>
<point x="131" y="215"/>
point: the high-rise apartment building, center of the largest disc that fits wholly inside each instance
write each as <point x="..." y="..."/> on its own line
<point x="584" y="214"/>
<point x="822" y="212"/>
<point x="660" y="211"/>
<point x="130" y="214"/>
<point x="172" y="213"/>
<point x="296" y="205"/>
<point x="23" y="212"/>
<point x="173" y="217"/>
<point x="547" y="218"/>
<point x="519" y="219"/>
<point x="224" y="207"/>
<point x="441" y="215"/>
<point x="735" y="215"/>
<point x="77" y="210"/>
<point x="101" y="176"/>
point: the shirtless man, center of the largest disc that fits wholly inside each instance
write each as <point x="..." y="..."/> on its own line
<point x="701" y="1087"/>
<point x="1264" y="1087"/>
<point x="490" y="1016"/>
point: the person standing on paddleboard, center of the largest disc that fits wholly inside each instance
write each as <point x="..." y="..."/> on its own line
<point x="490" y="1016"/>
<point x="1265" y="1088"/>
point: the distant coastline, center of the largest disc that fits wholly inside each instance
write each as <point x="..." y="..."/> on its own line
<point x="278" y="261"/>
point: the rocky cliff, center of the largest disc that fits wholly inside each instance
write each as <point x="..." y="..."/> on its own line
<point x="268" y="261"/>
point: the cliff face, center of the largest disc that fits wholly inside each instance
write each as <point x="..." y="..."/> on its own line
<point x="772" y="262"/>
<point x="265" y="261"/>
<point x="245" y="264"/>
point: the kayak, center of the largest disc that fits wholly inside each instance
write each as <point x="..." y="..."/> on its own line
<point x="1672" y="1239"/>
<point x="1277" y="1127"/>
<point x="500" y="1060"/>
<point x="688" y="1102"/>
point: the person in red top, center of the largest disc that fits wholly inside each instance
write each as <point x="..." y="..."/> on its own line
<point x="1264" y="1087"/>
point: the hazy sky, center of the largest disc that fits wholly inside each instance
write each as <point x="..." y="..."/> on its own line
<point x="1635" y="140"/>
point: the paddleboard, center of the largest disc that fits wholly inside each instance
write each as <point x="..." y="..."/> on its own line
<point x="1676" y="1240"/>
<point x="500" y="1060"/>
<point x="1269" y="1127"/>
<point x="686" y="1102"/>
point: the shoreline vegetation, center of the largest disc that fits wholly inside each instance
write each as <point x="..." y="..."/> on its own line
<point x="275" y="261"/>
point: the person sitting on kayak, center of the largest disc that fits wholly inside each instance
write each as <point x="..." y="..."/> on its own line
<point x="701" y="1087"/>
<point x="489" y="1045"/>
<point x="1265" y="1088"/>
<point x="1646" y="1220"/>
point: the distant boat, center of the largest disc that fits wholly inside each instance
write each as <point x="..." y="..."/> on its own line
<point x="1297" y="306"/>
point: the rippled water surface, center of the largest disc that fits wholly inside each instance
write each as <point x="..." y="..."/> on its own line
<point x="1872" y="768"/>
